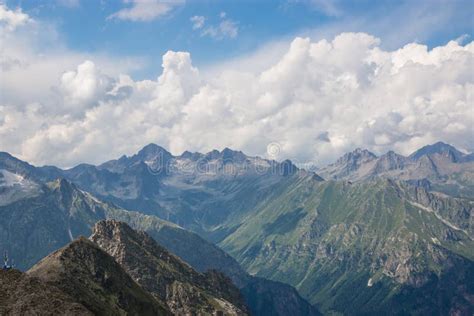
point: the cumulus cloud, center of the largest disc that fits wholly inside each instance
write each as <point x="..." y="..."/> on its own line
<point x="34" y="60"/>
<point x="11" y="19"/>
<point x="80" y="84"/>
<point x="84" y="87"/>
<point x="317" y="101"/>
<point x="145" y="10"/>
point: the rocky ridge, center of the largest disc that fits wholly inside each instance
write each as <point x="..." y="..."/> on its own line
<point x="165" y="276"/>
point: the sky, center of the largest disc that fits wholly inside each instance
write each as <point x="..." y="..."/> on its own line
<point x="88" y="81"/>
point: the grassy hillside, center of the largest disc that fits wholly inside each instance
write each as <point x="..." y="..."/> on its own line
<point x="356" y="247"/>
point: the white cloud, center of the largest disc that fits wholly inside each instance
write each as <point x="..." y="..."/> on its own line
<point x="11" y="19"/>
<point x="145" y="10"/>
<point x="84" y="87"/>
<point x="197" y="21"/>
<point x="319" y="100"/>
<point x="34" y="59"/>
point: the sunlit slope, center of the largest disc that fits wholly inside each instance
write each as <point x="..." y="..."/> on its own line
<point x="359" y="247"/>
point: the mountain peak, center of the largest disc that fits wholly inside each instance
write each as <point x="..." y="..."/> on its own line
<point x="438" y="148"/>
<point x="389" y="161"/>
<point x="226" y="154"/>
<point x="230" y="154"/>
<point x="356" y="155"/>
<point x="391" y="155"/>
<point x="190" y="155"/>
<point x="110" y="228"/>
<point x="152" y="150"/>
<point x="63" y="186"/>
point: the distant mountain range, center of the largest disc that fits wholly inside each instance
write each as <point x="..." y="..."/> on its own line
<point x="365" y="235"/>
<point x="440" y="165"/>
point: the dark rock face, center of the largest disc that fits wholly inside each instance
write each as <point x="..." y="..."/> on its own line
<point x="267" y="297"/>
<point x="96" y="280"/>
<point x="21" y="294"/>
<point x="165" y="276"/>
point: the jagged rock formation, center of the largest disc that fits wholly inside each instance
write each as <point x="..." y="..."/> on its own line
<point x="360" y="161"/>
<point x="86" y="272"/>
<point x="165" y="276"/>
<point x="442" y="166"/>
<point x="263" y="297"/>
<point x="157" y="183"/>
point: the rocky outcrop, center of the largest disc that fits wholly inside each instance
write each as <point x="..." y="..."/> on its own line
<point x="87" y="273"/>
<point x="165" y="276"/>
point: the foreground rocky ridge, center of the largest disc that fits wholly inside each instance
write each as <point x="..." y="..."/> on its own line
<point x="83" y="279"/>
<point x="84" y="271"/>
<point x="165" y="276"/>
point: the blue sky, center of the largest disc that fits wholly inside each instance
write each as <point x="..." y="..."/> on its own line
<point x="84" y="25"/>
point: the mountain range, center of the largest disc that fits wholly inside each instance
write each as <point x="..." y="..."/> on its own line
<point x="57" y="212"/>
<point x="440" y="165"/>
<point x="366" y="235"/>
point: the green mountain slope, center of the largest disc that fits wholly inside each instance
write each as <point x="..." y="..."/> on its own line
<point x="359" y="248"/>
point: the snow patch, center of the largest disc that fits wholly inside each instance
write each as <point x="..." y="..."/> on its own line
<point x="15" y="187"/>
<point x="10" y="179"/>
